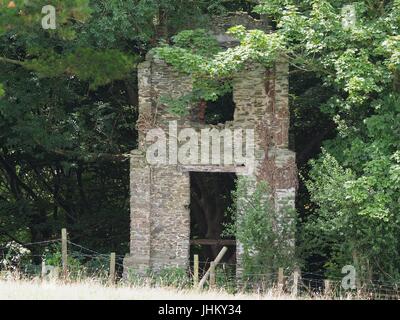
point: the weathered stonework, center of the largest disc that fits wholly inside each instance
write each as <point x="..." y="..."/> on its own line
<point x="160" y="195"/>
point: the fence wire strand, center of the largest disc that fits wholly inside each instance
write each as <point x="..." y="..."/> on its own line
<point x="309" y="283"/>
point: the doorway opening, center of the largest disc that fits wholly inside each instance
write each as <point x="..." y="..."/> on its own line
<point x="210" y="198"/>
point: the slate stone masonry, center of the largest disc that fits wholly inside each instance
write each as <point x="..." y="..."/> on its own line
<point x="160" y="195"/>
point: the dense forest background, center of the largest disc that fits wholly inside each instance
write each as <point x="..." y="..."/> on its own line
<point x="68" y="108"/>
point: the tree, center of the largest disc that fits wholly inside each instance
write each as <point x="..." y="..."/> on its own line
<point x="354" y="215"/>
<point x="68" y="107"/>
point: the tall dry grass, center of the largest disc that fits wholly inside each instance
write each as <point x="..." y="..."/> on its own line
<point x="16" y="287"/>
<point x="92" y="289"/>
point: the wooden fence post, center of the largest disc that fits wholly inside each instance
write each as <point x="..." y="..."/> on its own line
<point x="112" y="268"/>
<point x="64" y="254"/>
<point x="212" y="275"/>
<point x="280" y="279"/>
<point x="295" y="287"/>
<point x="43" y="269"/>
<point x="216" y="261"/>
<point x="196" y="270"/>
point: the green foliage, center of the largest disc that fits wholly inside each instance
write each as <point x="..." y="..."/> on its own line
<point x="84" y="63"/>
<point x="225" y="277"/>
<point x="53" y="257"/>
<point x="197" y="41"/>
<point x="352" y="61"/>
<point x="14" y="257"/>
<point x="166" y="277"/>
<point x="197" y="53"/>
<point x="392" y="48"/>
<point x="357" y="220"/>
<point x="79" y="265"/>
<point x="26" y="16"/>
<point x="353" y="217"/>
<point x="265" y="233"/>
<point x="173" y="277"/>
<point x="179" y="106"/>
<point x="140" y="24"/>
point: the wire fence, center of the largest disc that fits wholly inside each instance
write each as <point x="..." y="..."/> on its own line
<point x="85" y="262"/>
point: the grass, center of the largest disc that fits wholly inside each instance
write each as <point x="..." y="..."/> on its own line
<point x="94" y="290"/>
<point x="16" y="287"/>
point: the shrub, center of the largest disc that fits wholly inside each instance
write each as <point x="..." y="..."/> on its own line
<point x="166" y="277"/>
<point x="265" y="233"/>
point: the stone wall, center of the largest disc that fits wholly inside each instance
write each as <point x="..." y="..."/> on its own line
<point x="160" y="195"/>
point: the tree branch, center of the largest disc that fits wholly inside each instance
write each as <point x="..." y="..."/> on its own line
<point x="12" y="61"/>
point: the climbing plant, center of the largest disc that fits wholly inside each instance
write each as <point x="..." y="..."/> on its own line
<point x="197" y="53"/>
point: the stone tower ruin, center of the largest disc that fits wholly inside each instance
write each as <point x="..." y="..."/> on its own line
<point x="160" y="194"/>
